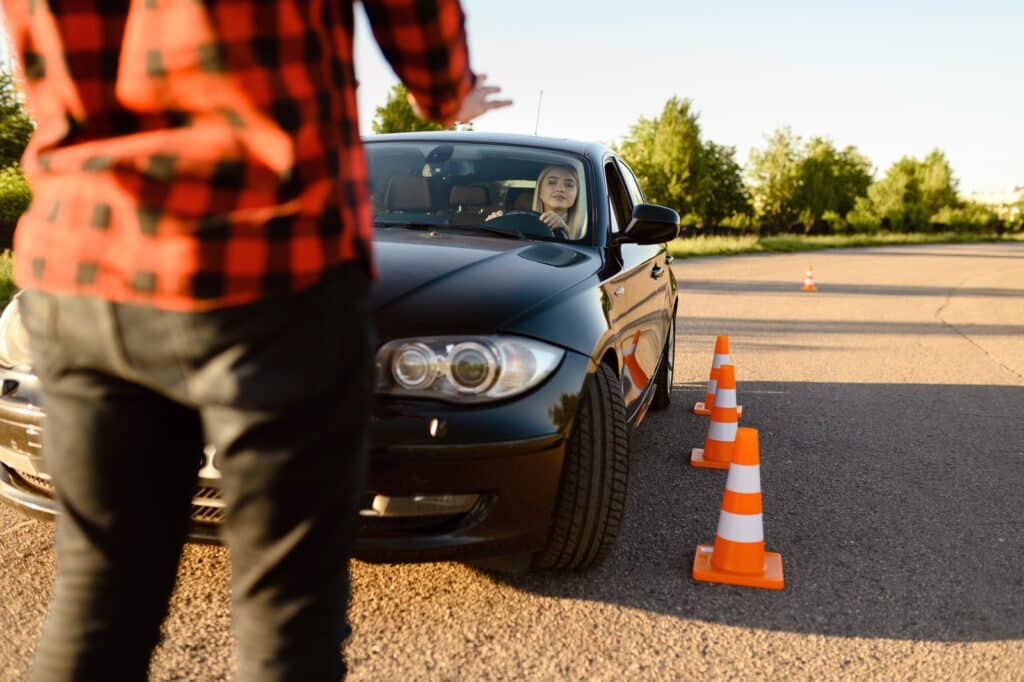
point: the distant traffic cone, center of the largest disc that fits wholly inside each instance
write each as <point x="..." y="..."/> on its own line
<point x="809" y="280"/>
<point x="738" y="556"/>
<point x="721" y="357"/>
<point x="717" y="450"/>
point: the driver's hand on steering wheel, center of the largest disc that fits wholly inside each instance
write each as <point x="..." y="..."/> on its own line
<point x="553" y="220"/>
<point x="494" y="214"/>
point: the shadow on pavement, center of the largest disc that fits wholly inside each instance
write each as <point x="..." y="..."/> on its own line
<point x="826" y="287"/>
<point x="896" y="508"/>
<point x="775" y="327"/>
<point x="917" y="252"/>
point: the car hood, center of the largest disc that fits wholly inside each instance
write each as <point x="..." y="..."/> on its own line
<point x="438" y="282"/>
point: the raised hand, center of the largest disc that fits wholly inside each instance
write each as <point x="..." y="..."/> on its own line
<point x="478" y="100"/>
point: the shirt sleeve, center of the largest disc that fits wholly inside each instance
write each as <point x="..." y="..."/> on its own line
<point x="425" y="43"/>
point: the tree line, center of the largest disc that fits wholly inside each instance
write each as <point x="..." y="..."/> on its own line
<point x="795" y="185"/>
<point x="15" y="129"/>
<point x="788" y="185"/>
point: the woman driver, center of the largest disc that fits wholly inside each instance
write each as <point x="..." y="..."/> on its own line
<point x="555" y="199"/>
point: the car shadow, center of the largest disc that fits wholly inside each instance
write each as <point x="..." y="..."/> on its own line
<point x="896" y="508"/>
<point x="739" y="286"/>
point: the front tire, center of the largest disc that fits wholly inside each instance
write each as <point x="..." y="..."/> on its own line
<point x="592" y="494"/>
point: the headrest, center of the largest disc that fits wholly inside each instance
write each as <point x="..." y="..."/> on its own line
<point x="521" y="201"/>
<point x="469" y="196"/>
<point x="407" y="193"/>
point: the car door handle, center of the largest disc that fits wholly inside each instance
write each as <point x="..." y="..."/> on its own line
<point x="657" y="271"/>
<point x="619" y="291"/>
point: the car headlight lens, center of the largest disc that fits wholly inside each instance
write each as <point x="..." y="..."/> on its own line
<point x="464" y="369"/>
<point x="14" y="350"/>
<point x="472" y="367"/>
<point x="414" y="366"/>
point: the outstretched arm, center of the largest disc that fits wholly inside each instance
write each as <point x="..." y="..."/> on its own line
<point x="425" y="43"/>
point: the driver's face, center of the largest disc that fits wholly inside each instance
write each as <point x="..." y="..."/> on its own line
<point x="558" y="190"/>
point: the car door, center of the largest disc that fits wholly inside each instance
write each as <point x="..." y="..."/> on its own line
<point x="643" y="284"/>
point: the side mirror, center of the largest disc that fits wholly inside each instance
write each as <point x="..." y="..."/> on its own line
<point x="651" y="224"/>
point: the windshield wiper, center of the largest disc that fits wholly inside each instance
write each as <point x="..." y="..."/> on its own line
<point x="515" y="234"/>
<point x="411" y="225"/>
<point x="465" y="228"/>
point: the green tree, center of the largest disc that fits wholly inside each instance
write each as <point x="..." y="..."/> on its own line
<point x="396" y="116"/>
<point x="15" y="125"/>
<point x="722" y="193"/>
<point x="913" y="196"/>
<point x="15" y="129"/>
<point x="774" y="176"/>
<point x="666" y="154"/>
<point x="829" y="180"/>
<point x="938" y="186"/>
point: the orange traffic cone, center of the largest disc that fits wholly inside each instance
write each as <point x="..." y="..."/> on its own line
<point x="809" y="280"/>
<point x="721" y="357"/>
<point x="717" y="450"/>
<point x="738" y="556"/>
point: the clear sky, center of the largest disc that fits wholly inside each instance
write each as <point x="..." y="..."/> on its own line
<point x="893" y="78"/>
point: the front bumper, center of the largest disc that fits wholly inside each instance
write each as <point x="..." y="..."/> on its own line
<point x="506" y="457"/>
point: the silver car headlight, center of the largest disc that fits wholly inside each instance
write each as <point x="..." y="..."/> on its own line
<point x="464" y="369"/>
<point x="14" y="351"/>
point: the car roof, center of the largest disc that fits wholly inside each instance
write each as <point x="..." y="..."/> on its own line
<point x="593" y="150"/>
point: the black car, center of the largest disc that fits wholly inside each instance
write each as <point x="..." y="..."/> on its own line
<point x="520" y="345"/>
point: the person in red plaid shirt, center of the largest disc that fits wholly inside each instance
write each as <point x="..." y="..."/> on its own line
<point x="196" y="261"/>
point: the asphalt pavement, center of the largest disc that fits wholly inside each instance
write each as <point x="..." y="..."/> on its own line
<point x="890" y="405"/>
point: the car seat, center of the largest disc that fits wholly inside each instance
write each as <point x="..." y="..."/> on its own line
<point x="519" y="199"/>
<point x="407" y="194"/>
<point x="407" y="200"/>
<point x="468" y="204"/>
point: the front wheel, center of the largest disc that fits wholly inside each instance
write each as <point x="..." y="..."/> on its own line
<point x="592" y="494"/>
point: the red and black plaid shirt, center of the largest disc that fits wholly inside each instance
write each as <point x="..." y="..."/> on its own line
<point x="194" y="154"/>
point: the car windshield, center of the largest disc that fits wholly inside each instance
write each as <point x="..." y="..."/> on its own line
<point x="519" y="191"/>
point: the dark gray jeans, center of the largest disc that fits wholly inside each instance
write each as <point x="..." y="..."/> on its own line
<point x="282" y="388"/>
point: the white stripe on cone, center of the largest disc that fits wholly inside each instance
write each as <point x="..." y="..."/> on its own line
<point x="722" y="431"/>
<point x="721" y="359"/>
<point x="712" y="386"/>
<point x="740" y="527"/>
<point x="725" y="397"/>
<point x="744" y="478"/>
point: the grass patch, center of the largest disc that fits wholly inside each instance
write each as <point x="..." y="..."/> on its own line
<point x="7" y="287"/>
<point x="790" y="243"/>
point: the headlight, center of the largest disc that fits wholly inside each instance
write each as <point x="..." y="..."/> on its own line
<point x="464" y="369"/>
<point x="14" y="338"/>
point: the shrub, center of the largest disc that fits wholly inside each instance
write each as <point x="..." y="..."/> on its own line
<point x="969" y="218"/>
<point x="7" y="287"/>
<point x="740" y="223"/>
<point x="14" y="195"/>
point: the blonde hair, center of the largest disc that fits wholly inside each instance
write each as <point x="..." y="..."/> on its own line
<point x="575" y="216"/>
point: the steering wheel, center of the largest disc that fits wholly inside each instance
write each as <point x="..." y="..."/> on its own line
<point x="528" y="223"/>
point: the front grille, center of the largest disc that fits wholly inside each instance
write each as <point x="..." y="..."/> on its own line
<point x="208" y="509"/>
<point x="207" y="506"/>
<point x="39" y="482"/>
